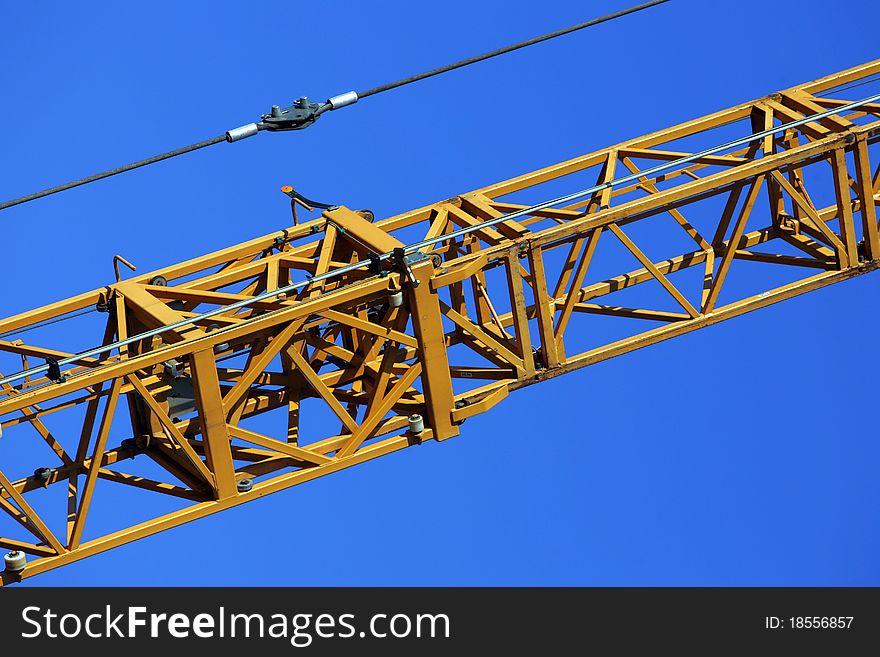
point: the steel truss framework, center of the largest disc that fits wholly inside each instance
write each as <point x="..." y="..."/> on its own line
<point x="495" y="311"/>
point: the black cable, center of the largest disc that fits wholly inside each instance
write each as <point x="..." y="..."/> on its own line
<point x="326" y="106"/>
<point x="112" y="172"/>
<point x="837" y="90"/>
<point x="62" y="318"/>
<point x="507" y="49"/>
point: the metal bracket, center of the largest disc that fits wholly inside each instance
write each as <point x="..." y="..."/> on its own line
<point x="403" y="263"/>
<point x="375" y="265"/>
<point x="105" y="298"/>
<point x="54" y="371"/>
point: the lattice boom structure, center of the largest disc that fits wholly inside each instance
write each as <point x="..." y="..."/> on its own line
<point x="495" y="310"/>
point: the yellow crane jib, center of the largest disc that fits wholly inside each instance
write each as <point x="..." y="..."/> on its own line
<point x="402" y="341"/>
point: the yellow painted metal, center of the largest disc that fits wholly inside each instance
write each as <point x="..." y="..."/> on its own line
<point x="496" y="310"/>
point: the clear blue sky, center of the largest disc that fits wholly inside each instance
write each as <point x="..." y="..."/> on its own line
<point x="753" y="462"/>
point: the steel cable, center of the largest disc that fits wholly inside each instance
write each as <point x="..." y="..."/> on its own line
<point x="112" y="172"/>
<point x="254" y="128"/>
<point x="507" y="49"/>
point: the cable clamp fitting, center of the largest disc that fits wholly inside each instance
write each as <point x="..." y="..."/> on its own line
<point x="301" y="114"/>
<point x="343" y="100"/>
<point x="245" y="131"/>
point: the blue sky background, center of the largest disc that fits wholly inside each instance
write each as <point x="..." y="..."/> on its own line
<point x="745" y="453"/>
